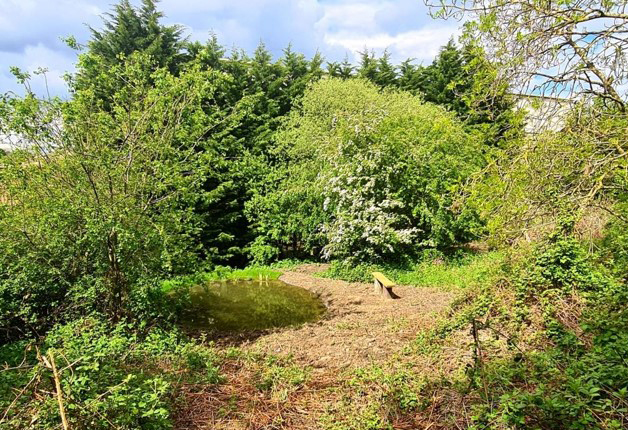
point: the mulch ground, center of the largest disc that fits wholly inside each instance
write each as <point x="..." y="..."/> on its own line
<point x="359" y="328"/>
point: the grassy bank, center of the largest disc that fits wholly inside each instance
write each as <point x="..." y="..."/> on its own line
<point x="463" y="271"/>
<point x="221" y="274"/>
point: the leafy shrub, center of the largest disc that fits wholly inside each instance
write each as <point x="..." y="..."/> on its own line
<point x="93" y="208"/>
<point x="571" y="374"/>
<point x="372" y="175"/>
<point x="616" y="240"/>
<point x="110" y="376"/>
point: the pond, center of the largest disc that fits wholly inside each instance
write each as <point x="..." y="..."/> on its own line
<point x="239" y="306"/>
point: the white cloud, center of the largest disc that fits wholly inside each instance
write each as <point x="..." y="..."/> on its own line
<point x="422" y="45"/>
<point x="403" y="27"/>
<point x="31" y="28"/>
<point x="349" y="17"/>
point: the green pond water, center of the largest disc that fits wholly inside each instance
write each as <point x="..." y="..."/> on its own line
<point x="238" y="306"/>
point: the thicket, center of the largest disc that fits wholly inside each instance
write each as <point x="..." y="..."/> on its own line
<point x="369" y="176"/>
<point x="173" y="158"/>
<point x="548" y="340"/>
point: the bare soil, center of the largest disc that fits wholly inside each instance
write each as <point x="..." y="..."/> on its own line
<point x="359" y="328"/>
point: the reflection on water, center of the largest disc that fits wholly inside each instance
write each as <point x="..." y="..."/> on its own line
<point x="236" y="306"/>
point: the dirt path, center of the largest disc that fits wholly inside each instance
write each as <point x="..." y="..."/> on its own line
<point x="359" y="328"/>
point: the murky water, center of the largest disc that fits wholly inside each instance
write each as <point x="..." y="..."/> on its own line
<point x="237" y="306"/>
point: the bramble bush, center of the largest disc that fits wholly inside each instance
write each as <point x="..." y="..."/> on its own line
<point x="572" y="374"/>
<point x="111" y="375"/>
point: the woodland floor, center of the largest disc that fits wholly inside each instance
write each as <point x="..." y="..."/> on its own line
<point x="360" y="329"/>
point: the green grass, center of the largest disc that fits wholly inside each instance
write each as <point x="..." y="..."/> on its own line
<point x="470" y="271"/>
<point x="453" y="273"/>
<point x="220" y="274"/>
<point x="289" y="263"/>
<point x="249" y="273"/>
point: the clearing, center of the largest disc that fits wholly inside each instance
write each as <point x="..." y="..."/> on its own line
<point x="298" y="378"/>
<point x="359" y="327"/>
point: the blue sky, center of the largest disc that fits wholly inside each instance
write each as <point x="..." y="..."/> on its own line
<point x="31" y="29"/>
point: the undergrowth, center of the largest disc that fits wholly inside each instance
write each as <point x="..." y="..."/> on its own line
<point x="544" y="330"/>
<point x="549" y="342"/>
<point x="434" y="270"/>
<point x="221" y="274"/>
<point x="111" y="376"/>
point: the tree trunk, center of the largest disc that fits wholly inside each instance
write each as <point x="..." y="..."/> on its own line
<point x="115" y="278"/>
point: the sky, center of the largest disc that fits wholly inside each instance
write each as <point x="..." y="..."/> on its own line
<point x="32" y="30"/>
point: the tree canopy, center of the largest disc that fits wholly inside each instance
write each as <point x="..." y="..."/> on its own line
<point x="378" y="170"/>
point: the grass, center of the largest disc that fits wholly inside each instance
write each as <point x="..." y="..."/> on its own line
<point x="221" y="274"/>
<point x="249" y="273"/>
<point x="445" y="273"/>
<point x="470" y="271"/>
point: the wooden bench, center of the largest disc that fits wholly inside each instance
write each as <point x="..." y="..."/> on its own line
<point x="383" y="285"/>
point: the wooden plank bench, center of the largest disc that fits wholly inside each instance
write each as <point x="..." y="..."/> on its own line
<point x="383" y="285"/>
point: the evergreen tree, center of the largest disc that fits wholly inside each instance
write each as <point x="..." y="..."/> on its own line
<point x="368" y="65"/>
<point x="409" y="76"/>
<point x="315" y="66"/>
<point x="346" y="68"/>
<point x="296" y="71"/>
<point x="209" y="54"/>
<point x="445" y="81"/>
<point x="386" y="72"/>
<point x="128" y="30"/>
<point x="459" y="79"/>
<point x="333" y="69"/>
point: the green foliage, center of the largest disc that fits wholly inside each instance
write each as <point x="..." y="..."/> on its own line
<point x="128" y="32"/>
<point x="173" y="158"/>
<point x="93" y="207"/>
<point x="573" y="374"/>
<point x="376" y="170"/>
<point x="433" y="269"/>
<point x="270" y="89"/>
<point x="563" y="265"/>
<point x="540" y="177"/>
<point x="460" y="79"/>
<point x="219" y="274"/>
<point x="616" y="240"/>
<point x="110" y="376"/>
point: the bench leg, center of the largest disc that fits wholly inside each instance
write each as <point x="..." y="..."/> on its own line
<point x="378" y="287"/>
<point x="386" y="293"/>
